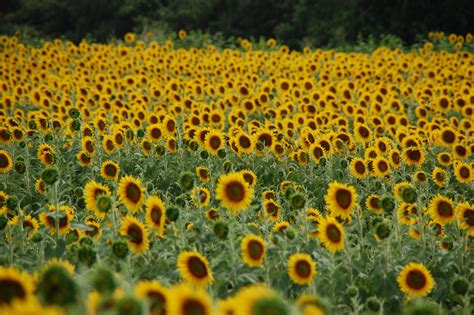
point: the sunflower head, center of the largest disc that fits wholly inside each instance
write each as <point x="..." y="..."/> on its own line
<point x="331" y="234"/>
<point x="57" y="287"/>
<point x="341" y="199"/>
<point x="415" y="280"/>
<point x="131" y="193"/>
<point x="194" y="268"/>
<point x="253" y="250"/>
<point x="14" y="286"/>
<point x="234" y="192"/>
<point x="301" y="268"/>
<point x="136" y="233"/>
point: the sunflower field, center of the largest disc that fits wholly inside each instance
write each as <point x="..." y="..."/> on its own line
<point x="153" y="177"/>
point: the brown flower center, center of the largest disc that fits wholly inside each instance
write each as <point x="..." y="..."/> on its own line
<point x="343" y="198"/>
<point x="255" y="249"/>
<point x="303" y="268"/>
<point x="416" y="279"/>
<point x="333" y="233"/>
<point x="197" y="267"/>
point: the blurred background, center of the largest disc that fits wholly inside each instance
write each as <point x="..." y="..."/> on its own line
<point x="297" y="23"/>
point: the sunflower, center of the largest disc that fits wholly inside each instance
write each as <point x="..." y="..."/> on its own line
<point x="253" y="250"/>
<point x="373" y="203"/>
<point x="269" y="195"/>
<point x="214" y="141"/>
<point x="131" y="193"/>
<point x="234" y="192"/>
<point x="447" y="137"/>
<point x="415" y="280"/>
<point x="94" y="231"/>
<point x="15" y="285"/>
<point x="463" y="173"/>
<point x="188" y="301"/>
<point x="46" y="154"/>
<point x="406" y="213"/>
<point x="250" y="177"/>
<point x="380" y="166"/>
<point x="155" y="132"/>
<point x="92" y="191"/>
<point x="108" y="144"/>
<point x="258" y="299"/>
<point x="444" y="158"/>
<point x="358" y="168"/>
<point x="6" y="163"/>
<point x="420" y="177"/>
<point x="316" y="152"/>
<point x="200" y="196"/>
<point x="465" y="216"/>
<point x="340" y="199"/>
<point x="109" y="170"/>
<point x="414" y="156"/>
<point x="84" y="159"/>
<point x="442" y="210"/>
<point x="194" y="268"/>
<point x="362" y="133"/>
<point x="65" y="216"/>
<point x="311" y="305"/>
<point x="439" y="176"/>
<point x="30" y="225"/>
<point x="227" y="306"/>
<point x="136" y="233"/>
<point x="155" y="213"/>
<point x="203" y="174"/>
<point x="88" y="145"/>
<point x="301" y="268"/>
<point x="331" y="234"/>
<point x="399" y="187"/>
<point x="156" y="294"/>
<point x="395" y="158"/>
<point x="271" y="210"/>
<point x="244" y="142"/>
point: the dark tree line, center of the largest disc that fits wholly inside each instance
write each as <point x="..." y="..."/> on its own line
<point x="317" y="22"/>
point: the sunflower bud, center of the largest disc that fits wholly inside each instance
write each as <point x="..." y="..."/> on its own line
<point x="3" y="223"/>
<point x="172" y="214"/>
<point x="20" y="167"/>
<point x="422" y="307"/>
<point x="50" y="175"/>
<point x="227" y="166"/>
<point x="87" y="255"/>
<point x="129" y="305"/>
<point x="76" y="125"/>
<point x="382" y="230"/>
<point x="297" y="201"/>
<point x="120" y="249"/>
<point x="193" y="145"/>
<point x="48" y="138"/>
<point x="159" y="150"/>
<point x="104" y="281"/>
<point x="290" y="234"/>
<point x="373" y="304"/>
<point x="74" y="113"/>
<point x="388" y="204"/>
<point x="460" y="286"/>
<point x="12" y="202"/>
<point x="270" y="305"/>
<point x="221" y="153"/>
<point x="408" y="194"/>
<point x="187" y="181"/>
<point x="140" y="133"/>
<point x="352" y="291"/>
<point x="57" y="287"/>
<point x="204" y="154"/>
<point x="104" y="203"/>
<point x="221" y="229"/>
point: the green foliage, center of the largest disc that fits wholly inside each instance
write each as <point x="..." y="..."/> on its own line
<point x="321" y="23"/>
